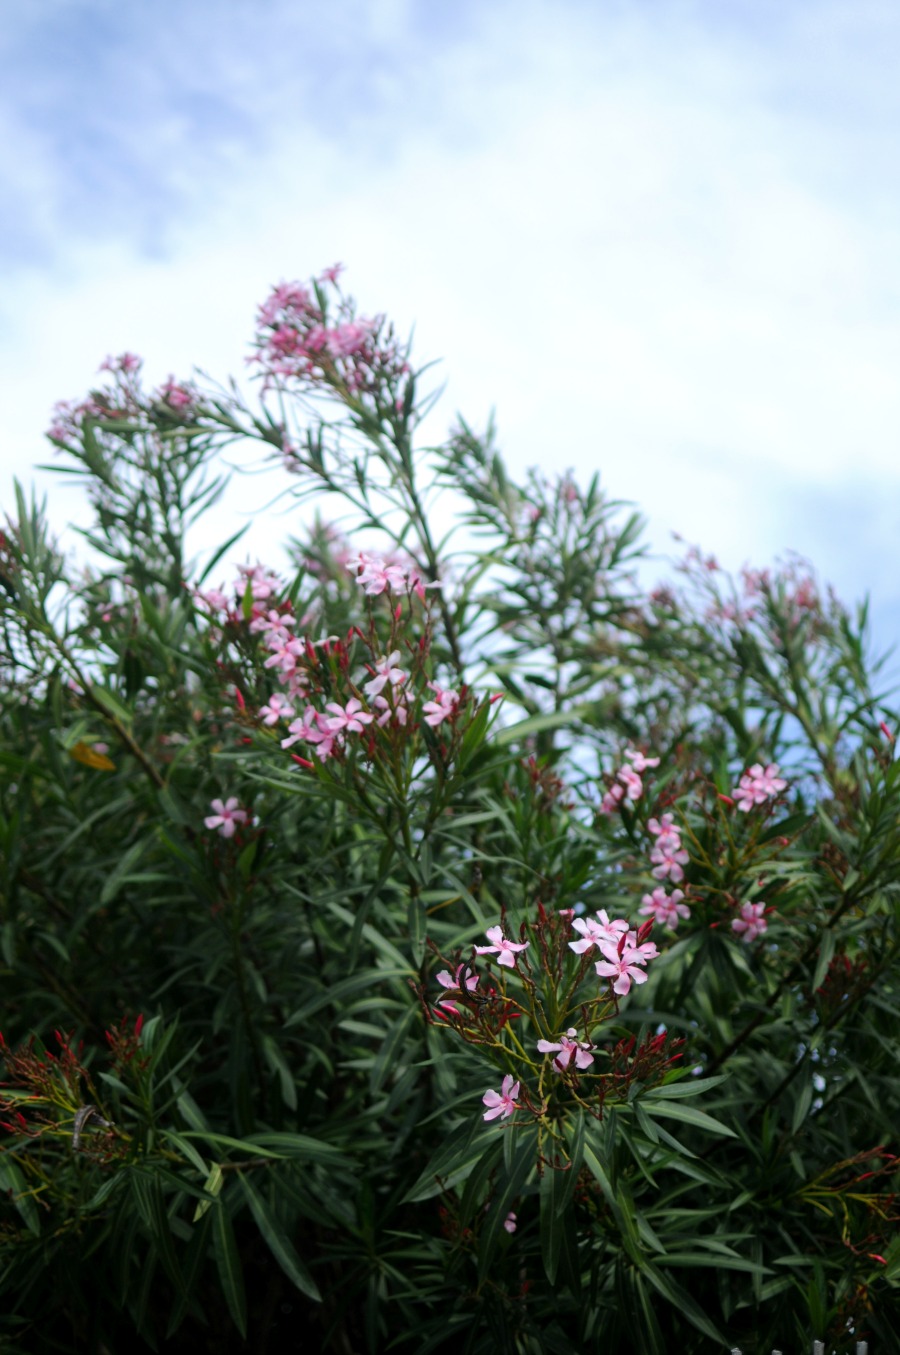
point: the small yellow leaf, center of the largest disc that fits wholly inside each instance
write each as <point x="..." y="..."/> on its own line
<point x="82" y="752"/>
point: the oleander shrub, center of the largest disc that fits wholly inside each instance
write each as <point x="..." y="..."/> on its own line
<point x="429" y="939"/>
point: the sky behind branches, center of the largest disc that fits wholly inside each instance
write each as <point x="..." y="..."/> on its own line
<point x="660" y="238"/>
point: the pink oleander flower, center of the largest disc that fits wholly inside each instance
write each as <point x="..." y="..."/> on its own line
<point x="214" y="599"/>
<point x="286" y="650"/>
<point x="443" y="708"/>
<point x="177" y="396"/>
<point x="125" y="362"/>
<point x="645" y="950"/>
<point x="306" y="728"/>
<point x="386" y="671"/>
<point x="567" y="1049"/>
<point x="509" y="1223"/>
<point x="400" y="708"/>
<point x="592" y="933"/>
<point x="455" y="981"/>
<point x="501" y="1103"/>
<point x="332" y="273"/>
<point x="263" y="582"/>
<point x="626" y="967"/>
<point x="349" y="719"/>
<point x="271" y="621"/>
<point x="612" y="799"/>
<point x="227" y="816"/>
<point x="375" y="574"/>
<point x="666" y="909"/>
<point x="634" y="786"/>
<point x="639" y="762"/>
<point x="277" y="708"/>
<point x="417" y="584"/>
<point x="757" y="785"/>
<point x="668" y="861"/>
<point x="751" y="923"/>
<point x="503" y="949"/>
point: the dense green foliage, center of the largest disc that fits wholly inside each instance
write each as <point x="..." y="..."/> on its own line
<point x="240" y="1110"/>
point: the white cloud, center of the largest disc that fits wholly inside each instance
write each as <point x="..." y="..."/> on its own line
<point x="624" y="228"/>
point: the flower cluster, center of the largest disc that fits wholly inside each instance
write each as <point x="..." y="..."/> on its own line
<point x="757" y="785"/>
<point x="627" y="783"/>
<point x="298" y="340"/>
<point x="376" y="575"/>
<point x="309" y="671"/>
<point x="665" y="909"/>
<point x="477" y="1012"/>
<point x="668" y="857"/>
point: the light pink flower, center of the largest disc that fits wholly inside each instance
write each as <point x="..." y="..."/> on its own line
<point x="592" y="933"/>
<point x="227" y="816"/>
<point x="639" y="762"/>
<point x="647" y="950"/>
<point x="348" y="719"/>
<point x="503" y="949"/>
<point x="501" y="1103"/>
<point x="417" y="584"/>
<point x="567" y="1049"/>
<point x="612" y="799"/>
<point x="668" y="861"/>
<point x="625" y="965"/>
<point x="375" y="574"/>
<point x="263" y="583"/>
<point x="455" y="981"/>
<point x="664" y="825"/>
<point x="442" y="708"/>
<point x="400" y="708"/>
<point x="175" y="395"/>
<point x="751" y="922"/>
<point x="306" y="728"/>
<point x="386" y="671"/>
<point x="665" y="908"/>
<point x="509" y="1223"/>
<point x="272" y="620"/>
<point x="277" y="708"/>
<point x="634" y="786"/>
<point x="214" y="598"/>
<point x="757" y="785"/>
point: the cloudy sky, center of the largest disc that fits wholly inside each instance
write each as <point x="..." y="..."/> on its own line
<point x="660" y="237"/>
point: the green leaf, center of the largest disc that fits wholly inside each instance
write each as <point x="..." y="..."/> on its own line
<point x="12" y="1180"/>
<point x="687" y="1114"/>
<point x="826" y="954"/>
<point x="509" y="1186"/>
<point x="453" y="1160"/>
<point x="213" y="1186"/>
<point x="388" y="1055"/>
<point x="191" y="1265"/>
<point x="111" y="704"/>
<point x="682" y="1301"/>
<point x="278" y="1243"/>
<point x="117" y="877"/>
<point x="415" y="921"/>
<point x="279" y="1065"/>
<point x="537" y="723"/>
<point x="228" y="1265"/>
<point x="689" y="1086"/>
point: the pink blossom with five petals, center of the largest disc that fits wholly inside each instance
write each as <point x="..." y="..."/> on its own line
<point x="501" y="1103"/>
<point x="503" y="949"/>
